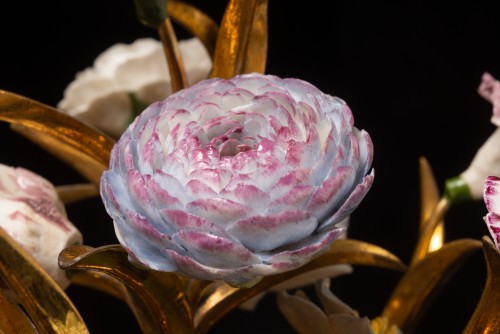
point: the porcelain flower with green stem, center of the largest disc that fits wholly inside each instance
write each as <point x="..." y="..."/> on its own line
<point x="237" y="179"/>
<point x="32" y="214"/>
<point x="125" y="79"/>
<point x="469" y="184"/>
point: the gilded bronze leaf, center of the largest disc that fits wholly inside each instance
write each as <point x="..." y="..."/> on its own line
<point x="44" y="301"/>
<point x="256" y="57"/>
<point x="219" y="298"/>
<point x="84" y="148"/>
<point x="486" y="317"/>
<point x="72" y="193"/>
<point x="429" y="199"/>
<point x="157" y="299"/>
<point x="13" y="319"/>
<point x="429" y="231"/>
<point x="242" y="41"/>
<point x="196" y="22"/>
<point x="423" y="281"/>
<point x="173" y="56"/>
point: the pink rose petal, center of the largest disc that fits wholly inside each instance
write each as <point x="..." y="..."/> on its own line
<point x="214" y="250"/>
<point x="219" y="210"/>
<point x="350" y="204"/>
<point x="303" y="252"/>
<point x="492" y="194"/>
<point x="263" y="233"/>
<point x="332" y="191"/>
<point x="493" y="222"/>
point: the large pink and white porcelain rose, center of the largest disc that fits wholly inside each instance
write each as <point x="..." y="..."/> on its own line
<point x="237" y="179"/>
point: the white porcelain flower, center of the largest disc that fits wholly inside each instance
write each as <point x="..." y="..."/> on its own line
<point x="31" y="213"/>
<point x="334" y="316"/>
<point x="487" y="159"/>
<point x="486" y="162"/>
<point x="127" y="78"/>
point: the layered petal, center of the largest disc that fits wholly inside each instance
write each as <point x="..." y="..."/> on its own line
<point x="492" y="200"/>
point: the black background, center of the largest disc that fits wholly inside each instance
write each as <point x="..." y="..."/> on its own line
<point x="409" y="72"/>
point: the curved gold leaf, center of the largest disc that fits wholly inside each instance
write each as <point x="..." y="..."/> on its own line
<point x="219" y="298"/>
<point x="72" y="193"/>
<point x="196" y="291"/>
<point x="256" y="57"/>
<point x="196" y="22"/>
<point x="237" y="42"/>
<point x="98" y="281"/>
<point x="173" y="56"/>
<point x="429" y="199"/>
<point x="429" y="194"/>
<point x="44" y="301"/>
<point x="157" y="299"/>
<point x="429" y="231"/>
<point x="13" y="319"/>
<point x="62" y="135"/>
<point x="423" y="281"/>
<point x="486" y="316"/>
<point x="79" y="161"/>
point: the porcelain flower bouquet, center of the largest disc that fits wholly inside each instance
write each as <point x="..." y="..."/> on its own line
<point x="223" y="183"/>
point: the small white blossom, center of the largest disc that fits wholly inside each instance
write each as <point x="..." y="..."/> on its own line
<point x="123" y="75"/>
<point x="486" y="162"/>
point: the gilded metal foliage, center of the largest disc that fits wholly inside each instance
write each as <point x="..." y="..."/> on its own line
<point x="196" y="22"/>
<point x="169" y="303"/>
<point x="486" y="317"/>
<point x="82" y="147"/>
<point x="45" y="302"/>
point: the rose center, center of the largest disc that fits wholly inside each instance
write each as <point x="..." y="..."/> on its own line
<point x="229" y="141"/>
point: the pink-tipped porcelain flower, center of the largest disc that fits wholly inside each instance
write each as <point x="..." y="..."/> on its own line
<point x="236" y="179"/>
<point x="487" y="159"/>
<point x="492" y="200"/>
<point x="125" y="78"/>
<point x="490" y="90"/>
<point x="31" y="213"/>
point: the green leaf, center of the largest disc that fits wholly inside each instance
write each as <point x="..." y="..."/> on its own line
<point x="456" y="190"/>
<point x="151" y="13"/>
